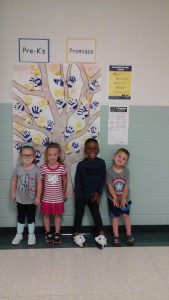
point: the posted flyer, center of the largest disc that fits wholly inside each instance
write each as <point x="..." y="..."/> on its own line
<point x="118" y="125"/>
<point x="119" y="82"/>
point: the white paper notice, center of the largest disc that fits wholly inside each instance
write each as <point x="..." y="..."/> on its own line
<point x="118" y="124"/>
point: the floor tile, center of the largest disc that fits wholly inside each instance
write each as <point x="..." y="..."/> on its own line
<point x="29" y="298"/>
<point x="101" y="260"/>
<point x="72" y="297"/>
<point x="108" y="283"/>
<point x="65" y="260"/>
<point x="31" y="285"/>
<point x="152" y="296"/>
<point x="149" y="282"/>
<point x="70" y="283"/>
<point x="112" y="297"/>
<point x="6" y="283"/>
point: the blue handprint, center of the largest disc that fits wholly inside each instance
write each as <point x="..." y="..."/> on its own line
<point x="76" y="147"/>
<point x="71" y="81"/>
<point x="72" y="103"/>
<point x="58" y="81"/>
<point x="36" y="81"/>
<point x="49" y="125"/>
<point x="18" y="146"/>
<point x="45" y="142"/>
<point x="93" y="131"/>
<point x="38" y="156"/>
<point x="60" y="103"/>
<point x="94" y="105"/>
<point x="93" y="85"/>
<point x="27" y="135"/>
<point x="19" y="106"/>
<point x="68" y="131"/>
<point x="36" y="112"/>
<point x="82" y="111"/>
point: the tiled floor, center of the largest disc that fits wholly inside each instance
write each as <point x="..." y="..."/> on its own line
<point x="89" y="273"/>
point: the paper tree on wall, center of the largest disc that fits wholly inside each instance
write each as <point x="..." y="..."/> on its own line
<point x="59" y="103"/>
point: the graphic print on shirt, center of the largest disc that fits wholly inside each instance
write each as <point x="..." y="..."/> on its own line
<point x="27" y="183"/>
<point x="52" y="178"/>
<point x="118" y="185"/>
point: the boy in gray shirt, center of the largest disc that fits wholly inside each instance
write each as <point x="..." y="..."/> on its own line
<point x="119" y="195"/>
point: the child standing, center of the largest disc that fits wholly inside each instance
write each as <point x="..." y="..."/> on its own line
<point x="26" y="191"/>
<point x="119" y="195"/>
<point x="89" y="182"/>
<point x="54" y="176"/>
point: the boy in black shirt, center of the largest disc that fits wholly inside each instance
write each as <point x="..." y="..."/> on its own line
<point x="89" y="182"/>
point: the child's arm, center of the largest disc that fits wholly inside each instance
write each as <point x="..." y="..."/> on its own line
<point x="64" y="186"/>
<point x="113" y="194"/>
<point x="78" y="182"/>
<point x="95" y="197"/>
<point x="39" y="192"/>
<point x="124" y="196"/>
<point x="13" y="187"/>
<point x="126" y="189"/>
<point x="102" y="179"/>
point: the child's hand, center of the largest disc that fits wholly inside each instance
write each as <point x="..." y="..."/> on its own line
<point x="13" y="196"/>
<point x="37" y="201"/>
<point x="116" y="202"/>
<point x="123" y="203"/>
<point x="64" y="197"/>
<point x="95" y="197"/>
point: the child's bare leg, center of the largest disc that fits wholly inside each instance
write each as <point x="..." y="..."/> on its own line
<point x="58" y="220"/>
<point x="46" y="220"/>
<point x="115" y="226"/>
<point x="127" y="223"/>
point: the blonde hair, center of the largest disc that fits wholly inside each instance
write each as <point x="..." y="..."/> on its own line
<point x="55" y="146"/>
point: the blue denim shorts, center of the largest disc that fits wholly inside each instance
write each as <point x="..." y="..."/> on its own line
<point x="115" y="211"/>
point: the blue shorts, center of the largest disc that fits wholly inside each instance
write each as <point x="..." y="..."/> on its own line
<point x="115" y="211"/>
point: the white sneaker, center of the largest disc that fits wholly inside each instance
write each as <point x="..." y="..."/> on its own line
<point x="17" y="239"/>
<point x="31" y="239"/>
<point x="101" y="241"/>
<point x="79" y="240"/>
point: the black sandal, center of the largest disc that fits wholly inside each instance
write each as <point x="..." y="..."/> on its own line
<point x="116" y="242"/>
<point x="130" y="240"/>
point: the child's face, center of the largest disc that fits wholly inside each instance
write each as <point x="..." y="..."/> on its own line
<point x="52" y="155"/>
<point x="27" y="156"/>
<point x="120" y="159"/>
<point x="91" y="150"/>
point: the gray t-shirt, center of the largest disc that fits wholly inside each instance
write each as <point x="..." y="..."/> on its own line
<point x="118" y="182"/>
<point x="26" y="184"/>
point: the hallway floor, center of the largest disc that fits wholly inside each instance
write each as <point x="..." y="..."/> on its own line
<point x="138" y="273"/>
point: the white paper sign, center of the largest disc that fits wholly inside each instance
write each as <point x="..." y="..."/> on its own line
<point x="118" y="124"/>
<point x="33" y="50"/>
<point x="82" y="51"/>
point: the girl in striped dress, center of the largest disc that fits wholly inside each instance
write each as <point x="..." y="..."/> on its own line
<point x="54" y="175"/>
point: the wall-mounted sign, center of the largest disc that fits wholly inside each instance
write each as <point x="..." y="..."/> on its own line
<point x="81" y="50"/>
<point x="119" y="82"/>
<point x="33" y="50"/>
<point x="118" y="125"/>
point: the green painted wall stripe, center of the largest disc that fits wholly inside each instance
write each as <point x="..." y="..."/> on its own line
<point x="149" y="166"/>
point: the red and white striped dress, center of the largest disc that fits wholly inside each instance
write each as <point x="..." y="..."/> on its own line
<point x="52" y="199"/>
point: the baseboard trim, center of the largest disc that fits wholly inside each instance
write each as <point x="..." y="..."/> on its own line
<point x="91" y="229"/>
